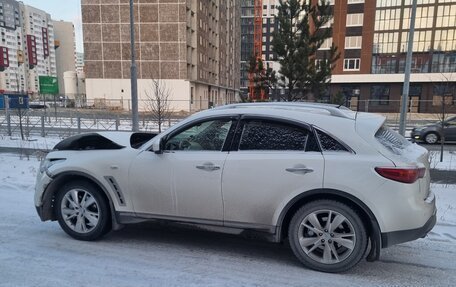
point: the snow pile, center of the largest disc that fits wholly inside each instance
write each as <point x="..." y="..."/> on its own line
<point x="44" y="143"/>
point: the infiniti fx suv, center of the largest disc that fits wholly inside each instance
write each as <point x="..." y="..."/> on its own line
<point x="336" y="184"/>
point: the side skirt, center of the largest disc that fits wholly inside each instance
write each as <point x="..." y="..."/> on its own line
<point x="253" y="231"/>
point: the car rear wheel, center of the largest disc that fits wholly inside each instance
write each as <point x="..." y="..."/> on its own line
<point x="327" y="236"/>
<point x="431" y="138"/>
<point x="82" y="211"/>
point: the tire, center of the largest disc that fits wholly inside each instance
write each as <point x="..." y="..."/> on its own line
<point x="324" y="247"/>
<point x="82" y="211"/>
<point x="431" y="138"/>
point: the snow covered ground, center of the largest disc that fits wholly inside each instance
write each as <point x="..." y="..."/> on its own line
<point x="33" y="253"/>
<point x="448" y="163"/>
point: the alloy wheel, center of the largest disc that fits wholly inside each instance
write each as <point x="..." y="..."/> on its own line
<point x="327" y="236"/>
<point x="431" y="138"/>
<point x="80" y="211"/>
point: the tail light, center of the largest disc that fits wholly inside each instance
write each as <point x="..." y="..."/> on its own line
<point x="405" y="175"/>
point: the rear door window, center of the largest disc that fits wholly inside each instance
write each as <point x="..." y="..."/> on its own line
<point x="328" y="143"/>
<point x="273" y="135"/>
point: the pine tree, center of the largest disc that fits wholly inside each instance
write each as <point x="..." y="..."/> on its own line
<point x="302" y="30"/>
<point x="265" y="78"/>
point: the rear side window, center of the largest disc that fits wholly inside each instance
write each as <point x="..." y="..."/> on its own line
<point x="329" y="143"/>
<point x="392" y="140"/>
<point x="269" y="135"/>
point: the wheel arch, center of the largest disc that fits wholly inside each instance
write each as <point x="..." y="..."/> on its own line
<point x="367" y="217"/>
<point x="62" y="178"/>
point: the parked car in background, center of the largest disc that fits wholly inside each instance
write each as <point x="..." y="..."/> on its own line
<point x="335" y="183"/>
<point x="432" y="133"/>
<point x="38" y="105"/>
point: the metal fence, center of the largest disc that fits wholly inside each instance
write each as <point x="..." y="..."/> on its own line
<point x="61" y="121"/>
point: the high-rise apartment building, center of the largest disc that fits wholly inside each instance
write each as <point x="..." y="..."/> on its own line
<point x="247" y="25"/>
<point x="191" y="46"/>
<point x="12" y="72"/>
<point x="38" y="34"/>
<point x="26" y="47"/>
<point x="372" y="37"/>
<point x="65" y="51"/>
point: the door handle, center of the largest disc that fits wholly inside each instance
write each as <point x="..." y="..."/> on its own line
<point x="208" y="167"/>
<point x="302" y="170"/>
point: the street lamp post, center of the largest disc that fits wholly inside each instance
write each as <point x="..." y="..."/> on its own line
<point x="408" y="66"/>
<point x="134" y="79"/>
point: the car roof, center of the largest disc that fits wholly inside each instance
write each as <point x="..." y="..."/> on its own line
<point x="303" y="107"/>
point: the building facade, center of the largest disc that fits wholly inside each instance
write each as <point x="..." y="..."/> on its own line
<point x="79" y="60"/>
<point x="247" y="29"/>
<point x="190" y="46"/>
<point x="65" y="51"/>
<point x="26" y="47"/>
<point x="372" y="37"/>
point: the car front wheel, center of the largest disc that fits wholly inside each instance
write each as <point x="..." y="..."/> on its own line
<point x="81" y="211"/>
<point x="327" y="236"/>
<point x="431" y="138"/>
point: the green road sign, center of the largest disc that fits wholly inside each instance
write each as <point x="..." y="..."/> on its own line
<point x="48" y="85"/>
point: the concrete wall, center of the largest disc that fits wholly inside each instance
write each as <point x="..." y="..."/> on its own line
<point x="116" y="93"/>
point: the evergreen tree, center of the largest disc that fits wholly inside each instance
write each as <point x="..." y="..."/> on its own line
<point x="265" y="78"/>
<point x="302" y="30"/>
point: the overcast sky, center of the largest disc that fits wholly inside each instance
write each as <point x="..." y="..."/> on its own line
<point x="67" y="10"/>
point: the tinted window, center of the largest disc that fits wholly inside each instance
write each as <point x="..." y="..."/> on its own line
<point x="328" y="143"/>
<point x="210" y="135"/>
<point x="267" y="135"/>
<point x="391" y="140"/>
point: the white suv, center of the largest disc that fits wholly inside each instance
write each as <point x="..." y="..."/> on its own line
<point x="327" y="179"/>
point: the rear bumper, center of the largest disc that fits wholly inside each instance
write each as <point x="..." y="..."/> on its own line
<point x="396" y="237"/>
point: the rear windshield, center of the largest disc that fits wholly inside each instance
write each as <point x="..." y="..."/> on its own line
<point x="392" y="140"/>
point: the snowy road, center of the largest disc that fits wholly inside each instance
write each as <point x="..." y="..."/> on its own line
<point x="33" y="253"/>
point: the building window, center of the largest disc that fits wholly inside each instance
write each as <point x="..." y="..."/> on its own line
<point x="355" y="19"/>
<point x="326" y="44"/>
<point x="390" y="3"/>
<point x="443" y="93"/>
<point x="444" y="62"/>
<point x="353" y="42"/>
<point x="380" y="94"/>
<point x="352" y="64"/>
<point x="386" y="43"/>
<point x="445" y="39"/>
<point x="355" y="1"/>
<point x="446" y="15"/>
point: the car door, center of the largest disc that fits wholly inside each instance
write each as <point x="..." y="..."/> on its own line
<point x="450" y="129"/>
<point x="273" y="161"/>
<point x="185" y="179"/>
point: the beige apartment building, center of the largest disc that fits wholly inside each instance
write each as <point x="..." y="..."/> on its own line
<point x="65" y="52"/>
<point x="191" y="46"/>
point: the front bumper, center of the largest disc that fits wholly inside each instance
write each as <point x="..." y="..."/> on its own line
<point x="401" y="236"/>
<point x="42" y="206"/>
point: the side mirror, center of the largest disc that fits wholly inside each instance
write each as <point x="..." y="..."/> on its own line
<point x="157" y="146"/>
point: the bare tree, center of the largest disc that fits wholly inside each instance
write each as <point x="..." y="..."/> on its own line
<point x="446" y="90"/>
<point x="158" y="103"/>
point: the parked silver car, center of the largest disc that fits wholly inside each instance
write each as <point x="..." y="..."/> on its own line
<point x="336" y="184"/>
<point x="433" y="133"/>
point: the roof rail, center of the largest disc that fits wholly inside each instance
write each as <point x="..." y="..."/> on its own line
<point x="334" y="110"/>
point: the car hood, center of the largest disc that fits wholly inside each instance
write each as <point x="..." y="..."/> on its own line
<point x="104" y="141"/>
